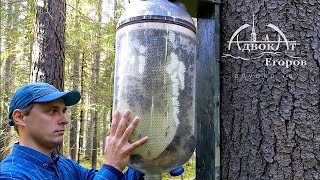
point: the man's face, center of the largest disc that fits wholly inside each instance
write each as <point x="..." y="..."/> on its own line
<point x="45" y="124"/>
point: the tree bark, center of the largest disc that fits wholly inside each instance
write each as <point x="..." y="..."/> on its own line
<point x="49" y="45"/>
<point x="270" y="126"/>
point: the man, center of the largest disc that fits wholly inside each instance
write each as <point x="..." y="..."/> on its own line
<point x="37" y="112"/>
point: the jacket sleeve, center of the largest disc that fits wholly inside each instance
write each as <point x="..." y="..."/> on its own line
<point x="107" y="172"/>
<point x="132" y="174"/>
<point x="4" y="175"/>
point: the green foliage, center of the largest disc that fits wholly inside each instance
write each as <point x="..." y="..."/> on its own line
<point x="16" y="38"/>
<point x="14" y="64"/>
<point x="86" y="162"/>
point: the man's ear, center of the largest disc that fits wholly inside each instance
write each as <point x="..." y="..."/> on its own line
<point x="17" y="117"/>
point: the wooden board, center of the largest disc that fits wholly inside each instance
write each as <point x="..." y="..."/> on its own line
<point x="208" y="93"/>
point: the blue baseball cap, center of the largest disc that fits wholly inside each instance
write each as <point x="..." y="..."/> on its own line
<point x="40" y="92"/>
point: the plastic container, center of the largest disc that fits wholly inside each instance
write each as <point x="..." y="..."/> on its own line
<point x="155" y="78"/>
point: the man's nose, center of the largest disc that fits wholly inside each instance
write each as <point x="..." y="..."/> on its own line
<point x="64" y="120"/>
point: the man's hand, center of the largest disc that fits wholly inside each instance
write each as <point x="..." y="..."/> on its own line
<point x="118" y="149"/>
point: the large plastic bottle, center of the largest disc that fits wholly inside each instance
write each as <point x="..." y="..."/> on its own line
<point x="155" y="78"/>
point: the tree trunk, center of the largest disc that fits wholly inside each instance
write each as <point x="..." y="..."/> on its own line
<point x="88" y="134"/>
<point x="115" y="12"/>
<point x="5" y="128"/>
<point x="74" y="111"/>
<point x="1" y="93"/>
<point x="95" y="80"/>
<point x="270" y="126"/>
<point x="49" y="44"/>
<point x="104" y="126"/>
<point x="10" y="48"/>
<point x="82" y="113"/>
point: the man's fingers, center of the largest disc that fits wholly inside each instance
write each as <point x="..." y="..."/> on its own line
<point x="106" y="144"/>
<point x="114" y="123"/>
<point x="123" y="123"/>
<point x="139" y="143"/>
<point x="127" y="133"/>
<point x="107" y="140"/>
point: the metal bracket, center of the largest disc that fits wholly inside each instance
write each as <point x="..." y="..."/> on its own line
<point x="194" y="5"/>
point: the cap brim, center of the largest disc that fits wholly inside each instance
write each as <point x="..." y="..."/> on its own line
<point x="70" y="97"/>
<point x="11" y="122"/>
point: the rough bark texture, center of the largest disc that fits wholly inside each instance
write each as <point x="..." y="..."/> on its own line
<point x="49" y="43"/>
<point x="270" y="125"/>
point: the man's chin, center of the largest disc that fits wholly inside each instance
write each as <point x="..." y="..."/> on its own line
<point x="57" y="142"/>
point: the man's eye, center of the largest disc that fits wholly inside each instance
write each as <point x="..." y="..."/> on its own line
<point x="53" y="111"/>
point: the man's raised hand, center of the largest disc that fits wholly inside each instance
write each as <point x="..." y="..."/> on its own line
<point x="118" y="148"/>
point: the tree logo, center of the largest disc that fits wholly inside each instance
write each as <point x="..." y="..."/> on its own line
<point x="269" y="49"/>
